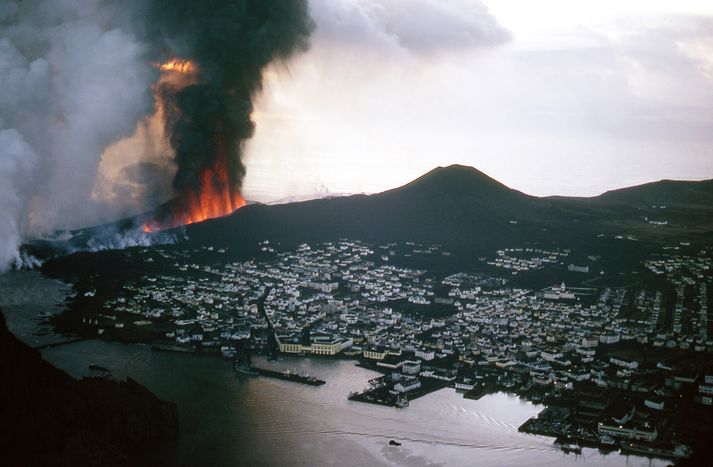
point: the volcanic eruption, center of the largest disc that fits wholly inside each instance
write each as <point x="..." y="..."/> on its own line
<point x="211" y="55"/>
<point x="214" y="193"/>
<point x="110" y="107"/>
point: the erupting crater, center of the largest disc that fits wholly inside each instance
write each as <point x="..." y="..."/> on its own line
<point x="214" y="197"/>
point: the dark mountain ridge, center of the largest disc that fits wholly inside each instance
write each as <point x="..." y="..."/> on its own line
<point x="462" y="208"/>
<point x="452" y="205"/>
<point x="665" y="193"/>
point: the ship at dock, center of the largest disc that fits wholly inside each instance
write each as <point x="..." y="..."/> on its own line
<point x="571" y="449"/>
<point x="172" y="347"/>
<point x="287" y="375"/>
<point x="243" y="364"/>
<point x="678" y="451"/>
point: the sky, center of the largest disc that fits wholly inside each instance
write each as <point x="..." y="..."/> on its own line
<point x="549" y="97"/>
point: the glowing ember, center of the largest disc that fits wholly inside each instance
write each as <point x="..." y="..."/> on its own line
<point x="178" y="65"/>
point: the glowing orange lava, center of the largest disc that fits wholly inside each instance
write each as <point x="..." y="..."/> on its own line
<point x="213" y="198"/>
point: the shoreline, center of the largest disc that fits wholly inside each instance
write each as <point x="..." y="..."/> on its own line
<point x="431" y="386"/>
<point x="377" y="442"/>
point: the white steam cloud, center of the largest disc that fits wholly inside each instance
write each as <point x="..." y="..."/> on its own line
<point x="116" y="240"/>
<point x="74" y="79"/>
<point x="17" y="161"/>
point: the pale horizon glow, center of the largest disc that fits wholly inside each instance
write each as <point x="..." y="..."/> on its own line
<point x="550" y="98"/>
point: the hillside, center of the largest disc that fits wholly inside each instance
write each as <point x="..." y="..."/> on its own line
<point x="468" y="210"/>
<point x="458" y="206"/>
<point x="49" y="418"/>
<point x="670" y="193"/>
<point x="664" y="212"/>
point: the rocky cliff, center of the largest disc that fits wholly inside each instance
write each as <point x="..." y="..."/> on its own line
<point x="50" y="418"/>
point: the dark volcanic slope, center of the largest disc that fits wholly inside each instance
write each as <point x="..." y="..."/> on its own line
<point x="664" y="211"/>
<point x="455" y="205"/>
<point x="463" y="209"/>
<point x="466" y="209"/>
<point x="49" y="418"/>
<point x="670" y="193"/>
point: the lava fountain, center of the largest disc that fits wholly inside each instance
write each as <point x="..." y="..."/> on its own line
<point x="214" y="194"/>
<point x="218" y="52"/>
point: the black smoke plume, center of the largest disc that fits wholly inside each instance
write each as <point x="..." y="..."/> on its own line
<point x="231" y="41"/>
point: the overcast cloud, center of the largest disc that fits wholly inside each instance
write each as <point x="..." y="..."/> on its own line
<point x="536" y="94"/>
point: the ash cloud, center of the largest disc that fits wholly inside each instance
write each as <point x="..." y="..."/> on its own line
<point x="231" y="42"/>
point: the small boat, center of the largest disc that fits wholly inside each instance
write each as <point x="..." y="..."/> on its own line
<point x="571" y="448"/>
<point x="95" y="367"/>
<point x="394" y="443"/>
<point x="245" y="370"/>
<point x="608" y="440"/>
<point x="103" y="372"/>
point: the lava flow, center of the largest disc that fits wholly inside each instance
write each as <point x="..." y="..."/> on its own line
<point x="214" y="197"/>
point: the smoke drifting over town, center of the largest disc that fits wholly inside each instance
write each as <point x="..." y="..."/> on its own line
<point x="81" y="75"/>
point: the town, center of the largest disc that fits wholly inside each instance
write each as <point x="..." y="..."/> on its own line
<point x="617" y="367"/>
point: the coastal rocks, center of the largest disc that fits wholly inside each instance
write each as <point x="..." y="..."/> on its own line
<point x="50" y="418"/>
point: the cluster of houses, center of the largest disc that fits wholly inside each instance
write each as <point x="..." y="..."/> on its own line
<point x="681" y="269"/>
<point x="352" y="302"/>
<point x="525" y="259"/>
<point x="690" y="275"/>
<point x="343" y="298"/>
